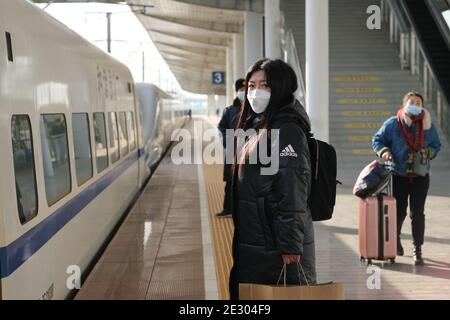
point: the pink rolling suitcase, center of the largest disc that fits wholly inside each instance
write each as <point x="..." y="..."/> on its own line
<point x="378" y="228"/>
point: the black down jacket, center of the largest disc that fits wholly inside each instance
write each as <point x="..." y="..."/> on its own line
<point x="270" y="212"/>
<point x="229" y="120"/>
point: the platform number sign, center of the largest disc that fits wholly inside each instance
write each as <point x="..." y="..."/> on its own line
<point x="218" y="77"/>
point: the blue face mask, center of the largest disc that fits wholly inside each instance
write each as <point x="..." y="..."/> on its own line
<point x="413" y="110"/>
<point x="241" y="95"/>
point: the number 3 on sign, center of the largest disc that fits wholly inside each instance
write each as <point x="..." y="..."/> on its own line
<point x="218" y="77"/>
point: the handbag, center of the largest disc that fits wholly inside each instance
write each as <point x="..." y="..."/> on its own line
<point x="420" y="164"/>
<point x="373" y="178"/>
<point x="323" y="291"/>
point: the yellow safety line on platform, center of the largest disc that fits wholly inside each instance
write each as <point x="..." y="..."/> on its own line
<point x="221" y="228"/>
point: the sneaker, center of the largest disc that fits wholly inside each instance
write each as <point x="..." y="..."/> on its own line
<point x="223" y="214"/>
<point x="418" y="260"/>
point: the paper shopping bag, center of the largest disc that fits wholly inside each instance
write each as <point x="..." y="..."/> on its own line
<point x="324" y="291"/>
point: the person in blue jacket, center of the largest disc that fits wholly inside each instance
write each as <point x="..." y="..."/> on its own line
<point x="409" y="140"/>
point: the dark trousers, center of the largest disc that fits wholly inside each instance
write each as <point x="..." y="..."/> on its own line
<point x="233" y="284"/>
<point x="417" y="194"/>
<point x="227" y="197"/>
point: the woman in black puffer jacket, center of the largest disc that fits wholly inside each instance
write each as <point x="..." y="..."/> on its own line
<point x="273" y="224"/>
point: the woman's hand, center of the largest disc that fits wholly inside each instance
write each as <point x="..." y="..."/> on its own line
<point x="387" y="156"/>
<point x="424" y="153"/>
<point x="289" y="258"/>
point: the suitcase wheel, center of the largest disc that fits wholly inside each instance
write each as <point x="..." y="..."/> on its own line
<point x="392" y="261"/>
<point x="361" y="259"/>
<point x="369" y="262"/>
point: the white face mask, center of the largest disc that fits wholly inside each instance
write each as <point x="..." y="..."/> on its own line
<point x="413" y="109"/>
<point x="259" y="100"/>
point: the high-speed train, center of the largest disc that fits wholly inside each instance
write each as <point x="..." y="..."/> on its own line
<point x="78" y="141"/>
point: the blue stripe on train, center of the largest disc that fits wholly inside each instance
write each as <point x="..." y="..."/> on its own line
<point x="17" y="252"/>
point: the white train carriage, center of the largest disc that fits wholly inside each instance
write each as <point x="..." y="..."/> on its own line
<point x="72" y="157"/>
<point x="162" y="115"/>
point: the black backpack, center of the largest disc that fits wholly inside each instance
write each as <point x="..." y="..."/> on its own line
<point x="322" y="198"/>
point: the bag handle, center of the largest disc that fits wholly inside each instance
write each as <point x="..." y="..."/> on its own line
<point x="283" y="271"/>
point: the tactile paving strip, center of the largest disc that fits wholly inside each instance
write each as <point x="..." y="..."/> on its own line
<point x="221" y="228"/>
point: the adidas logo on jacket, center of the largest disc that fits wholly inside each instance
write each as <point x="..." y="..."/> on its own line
<point x="288" y="152"/>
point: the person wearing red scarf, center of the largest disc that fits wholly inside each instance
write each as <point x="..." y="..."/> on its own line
<point x="405" y="139"/>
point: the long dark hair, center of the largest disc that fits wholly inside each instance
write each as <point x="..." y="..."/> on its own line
<point x="282" y="81"/>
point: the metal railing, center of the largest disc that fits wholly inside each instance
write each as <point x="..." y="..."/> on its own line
<point x="413" y="56"/>
<point x="437" y="7"/>
<point x="290" y="56"/>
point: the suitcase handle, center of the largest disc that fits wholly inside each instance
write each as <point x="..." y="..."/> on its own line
<point x="386" y="188"/>
<point x="390" y="187"/>
<point x="390" y="167"/>
<point x="388" y="164"/>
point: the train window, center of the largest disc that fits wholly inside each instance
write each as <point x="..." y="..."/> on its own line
<point x="131" y="131"/>
<point x="123" y="134"/>
<point x="24" y="170"/>
<point x="113" y="137"/>
<point x="82" y="147"/>
<point x="55" y="155"/>
<point x="101" y="145"/>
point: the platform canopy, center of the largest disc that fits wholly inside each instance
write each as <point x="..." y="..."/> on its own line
<point x="191" y="35"/>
